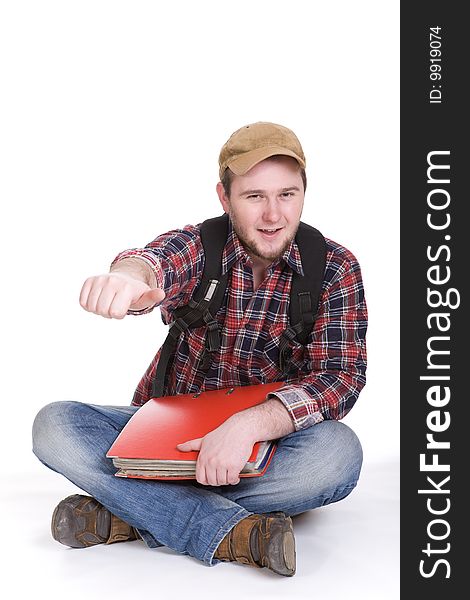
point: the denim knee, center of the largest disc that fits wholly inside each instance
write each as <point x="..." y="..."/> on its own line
<point x="328" y="465"/>
<point x="46" y="428"/>
<point x="338" y="471"/>
<point x="311" y="468"/>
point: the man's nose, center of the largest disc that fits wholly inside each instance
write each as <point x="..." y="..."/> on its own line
<point x="271" y="211"/>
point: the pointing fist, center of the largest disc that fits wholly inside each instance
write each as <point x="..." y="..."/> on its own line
<point x="111" y="295"/>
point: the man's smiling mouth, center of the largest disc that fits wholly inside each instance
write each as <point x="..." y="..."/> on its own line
<point x="270" y="230"/>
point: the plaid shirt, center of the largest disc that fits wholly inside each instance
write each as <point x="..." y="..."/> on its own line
<point x="326" y="375"/>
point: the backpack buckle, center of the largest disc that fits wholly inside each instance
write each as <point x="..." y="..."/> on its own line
<point x="213" y="283"/>
<point x="285" y="351"/>
<point x="177" y="328"/>
<point x="213" y="337"/>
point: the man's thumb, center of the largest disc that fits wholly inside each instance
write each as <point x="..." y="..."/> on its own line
<point x="190" y="445"/>
<point x="148" y="299"/>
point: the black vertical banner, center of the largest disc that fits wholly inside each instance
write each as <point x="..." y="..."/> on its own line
<point x="435" y="332"/>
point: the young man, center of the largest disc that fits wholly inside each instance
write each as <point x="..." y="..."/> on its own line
<point x="318" y="459"/>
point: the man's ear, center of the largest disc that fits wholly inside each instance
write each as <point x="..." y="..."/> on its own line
<point x="222" y="197"/>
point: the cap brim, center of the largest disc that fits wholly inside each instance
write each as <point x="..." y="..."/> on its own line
<point x="242" y="164"/>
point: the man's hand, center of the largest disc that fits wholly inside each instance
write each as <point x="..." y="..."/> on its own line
<point x="111" y="295"/>
<point x="222" y="453"/>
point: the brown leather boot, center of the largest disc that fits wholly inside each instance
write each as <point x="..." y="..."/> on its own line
<point x="265" y="540"/>
<point x="80" y="521"/>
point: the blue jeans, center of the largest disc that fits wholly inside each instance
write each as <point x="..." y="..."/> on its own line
<point x="310" y="468"/>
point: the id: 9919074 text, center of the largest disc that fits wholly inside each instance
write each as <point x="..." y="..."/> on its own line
<point x="435" y="65"/>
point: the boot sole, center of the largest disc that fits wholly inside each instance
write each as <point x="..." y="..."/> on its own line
<point x="80" y="521"/>
<point x="279" y="554"/>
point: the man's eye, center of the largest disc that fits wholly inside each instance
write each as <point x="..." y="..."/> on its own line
<point x="254" y="196"/>
<point x="287" y="194"/>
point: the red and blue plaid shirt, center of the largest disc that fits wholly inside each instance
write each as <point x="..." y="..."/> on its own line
<point x="326" y="375"/>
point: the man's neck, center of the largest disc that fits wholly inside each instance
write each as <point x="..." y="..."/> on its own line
<point x="259" y="275"/>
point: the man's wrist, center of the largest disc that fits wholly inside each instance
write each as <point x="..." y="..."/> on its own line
<point x="135" y="268"/>
<point x="266" y="421"/>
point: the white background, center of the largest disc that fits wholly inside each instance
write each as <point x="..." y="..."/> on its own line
<point x="112" y="118"/>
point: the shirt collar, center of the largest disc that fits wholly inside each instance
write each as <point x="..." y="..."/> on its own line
<point x="234" y="252"/>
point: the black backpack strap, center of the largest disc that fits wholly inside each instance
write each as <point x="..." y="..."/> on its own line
<point x="305" y="291"/>
<point x="203" y="306"/>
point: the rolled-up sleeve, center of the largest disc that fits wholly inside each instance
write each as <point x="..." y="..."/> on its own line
<point x="335" y="353"/>
<point x="176" y="260"/>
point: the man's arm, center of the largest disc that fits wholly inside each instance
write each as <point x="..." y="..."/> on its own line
<point x="172" y="262"/>
<point x="164" y="272"/>
<point x="335" y="355"/>
<point x="130" y="285"/>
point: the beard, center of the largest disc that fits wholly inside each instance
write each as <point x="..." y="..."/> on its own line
<point x="252" y="247"/>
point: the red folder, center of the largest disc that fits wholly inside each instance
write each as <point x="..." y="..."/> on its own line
<point x="155" y="429"/>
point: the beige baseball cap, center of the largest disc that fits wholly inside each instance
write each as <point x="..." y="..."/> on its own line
<point x="253" y="143"/>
